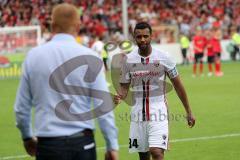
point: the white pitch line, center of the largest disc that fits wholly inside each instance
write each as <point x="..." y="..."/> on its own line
<point x="14" y="157"/>
<point x="206" y="138"/>
<point x="173" y="141"/>
<point x="190" y="139"/>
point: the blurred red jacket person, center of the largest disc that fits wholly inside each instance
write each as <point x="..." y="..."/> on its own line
<point x="210" y="47"/>
<point x="199" y="43"/>
<point x="216" y="46"/>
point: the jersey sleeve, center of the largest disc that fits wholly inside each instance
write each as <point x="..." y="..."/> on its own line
<point x="170" y="66"/>
<point x="125" y="72"/>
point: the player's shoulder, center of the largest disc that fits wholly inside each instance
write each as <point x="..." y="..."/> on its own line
<point x="164" y="57"/>
<point x="133" y="55"/>
<point x="160" y="54"/>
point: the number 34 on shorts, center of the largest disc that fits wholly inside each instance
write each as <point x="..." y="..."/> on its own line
<point x="133" y="143"/>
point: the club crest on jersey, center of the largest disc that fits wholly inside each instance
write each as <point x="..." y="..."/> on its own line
<point x="156" y="63"/>
<point x="164" y="137"/>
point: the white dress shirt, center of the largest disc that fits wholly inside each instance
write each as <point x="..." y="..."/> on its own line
<point x="35" y="91"/>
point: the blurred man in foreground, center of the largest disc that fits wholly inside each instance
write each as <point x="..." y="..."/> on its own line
<point x="58" y="136"/>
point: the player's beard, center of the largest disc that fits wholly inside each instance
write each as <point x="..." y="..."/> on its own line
<point x="143" y="46"/>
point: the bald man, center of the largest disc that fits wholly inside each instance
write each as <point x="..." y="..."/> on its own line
<point x="59" y="80"/>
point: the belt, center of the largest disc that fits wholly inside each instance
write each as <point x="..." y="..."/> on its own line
<point x="86" y="132"/>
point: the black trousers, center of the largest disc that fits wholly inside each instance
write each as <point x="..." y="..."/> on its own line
<point x="235" y="52"/>
<point x="184" y="53"/>
<point x="79" y="148"/>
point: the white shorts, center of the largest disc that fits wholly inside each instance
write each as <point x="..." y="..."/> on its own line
<point x="146" y="134"/>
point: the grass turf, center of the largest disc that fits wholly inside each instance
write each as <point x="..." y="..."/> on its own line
<point x="214" y="100"/>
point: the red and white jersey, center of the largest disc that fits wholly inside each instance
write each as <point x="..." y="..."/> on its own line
<point x="148" y="86"/>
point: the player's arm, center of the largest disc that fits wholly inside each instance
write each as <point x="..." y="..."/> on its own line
<point x="124" y="81"/>
<point x="180" y="90"/>
<point x="122" y="92"/>
<point x="171" y="70"/>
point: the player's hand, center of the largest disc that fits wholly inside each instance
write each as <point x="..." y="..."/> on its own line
<point x="117" y="99"/>
<point x="31" y="146"/>
<point x="111" y="155"/>
<point x="191" y="120"/>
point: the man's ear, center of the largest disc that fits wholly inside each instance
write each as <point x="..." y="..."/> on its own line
<point x="77" y="26"/>
<point x="53" y="27"/>
<point x="134" y="38"/>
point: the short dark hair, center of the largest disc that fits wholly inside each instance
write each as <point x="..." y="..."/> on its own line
<point x="143" y="25"/>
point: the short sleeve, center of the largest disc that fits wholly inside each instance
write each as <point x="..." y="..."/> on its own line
<point x="170" y="66"/>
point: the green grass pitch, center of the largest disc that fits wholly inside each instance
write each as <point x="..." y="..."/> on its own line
<point x="215" y="102"/>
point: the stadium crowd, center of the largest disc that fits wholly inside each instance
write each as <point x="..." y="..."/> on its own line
<point x="103" y="17"/>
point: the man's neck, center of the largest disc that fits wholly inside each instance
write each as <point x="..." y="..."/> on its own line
<point x="145" y="52"/>
<point x="74" y="34"/>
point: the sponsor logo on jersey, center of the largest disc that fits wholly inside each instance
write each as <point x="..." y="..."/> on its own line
<point x="156" y="63"/>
